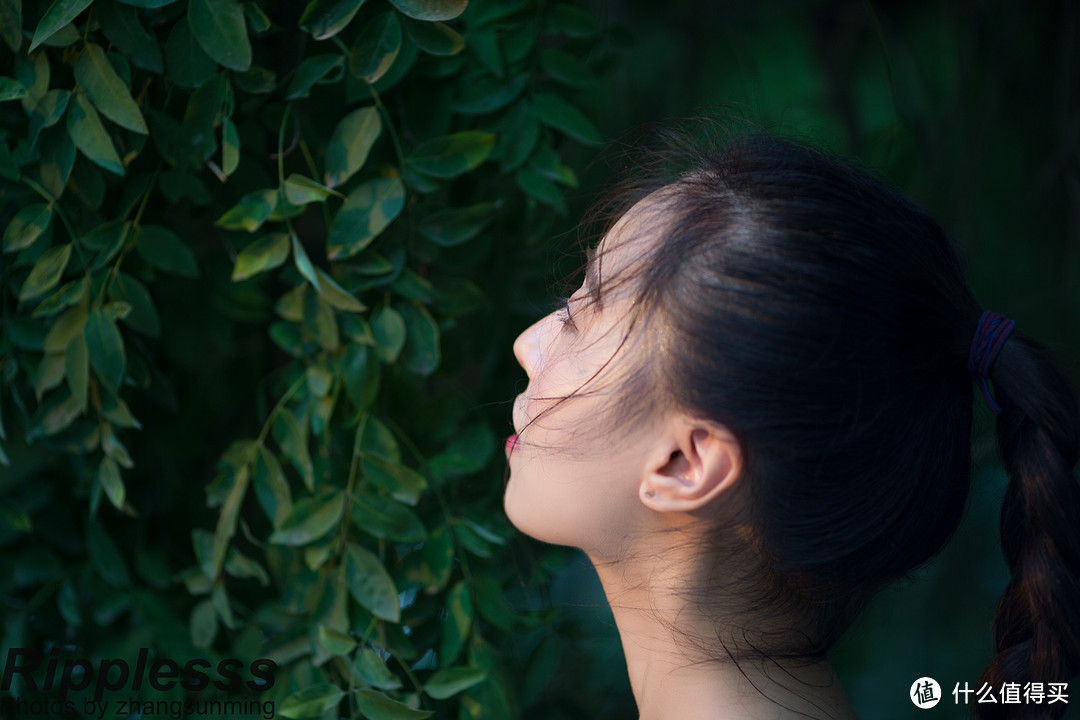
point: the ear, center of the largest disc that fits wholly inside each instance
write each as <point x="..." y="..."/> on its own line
<point x="695" y="462"/>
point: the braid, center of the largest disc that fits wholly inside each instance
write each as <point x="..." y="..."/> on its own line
<point x="1037" y="627"/>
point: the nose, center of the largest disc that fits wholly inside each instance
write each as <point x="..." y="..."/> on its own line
<point x="527" y="347"/>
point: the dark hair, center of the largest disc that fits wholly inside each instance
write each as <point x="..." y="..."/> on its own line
<point x="823" y="318"/>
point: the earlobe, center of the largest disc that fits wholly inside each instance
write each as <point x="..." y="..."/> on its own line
<point x="699" y="462"/>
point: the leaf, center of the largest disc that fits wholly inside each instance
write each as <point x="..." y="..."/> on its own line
<point x="388" y="327"/>
<point x="111" y="483"/>
<point x="367" y="211"/>
<point x="67" y="326"/>
<point x="541" y="188"/>
<point x="565" y="68"/>
<point x="435" y="38"/>
<point x="89" y="135"/>
<point x="54" y="415"/>
<point x="350" y="144"/>
<point x="311" y="71"/>
<point x="12" y="89"/>
<point x="105" y="347"/>
<point x="311" y="702"/>
<point x="77" y="370"/>
<point x="163" y="249"/>
<point x="105" y="556"/>
<point x="452" y="155"/>
<point x="431" y="9"/>
<point x="326" y="18"/>
<point x="59" y="14"/>
<point x="96" y="76"/>
<point x="185" y="60"/>
<point x="29" y="223"/>
<point x="335" y="641"/>
<point x="310" y="519"/>
<point x="143" y="316"/>
<point x="373" y="670"/>
<point x="122" y="27"/>
<point x="148" y="3"/>
<point x="450" y="681"/>
<point x="484" y="44"/>
<point x="65" y="297"/>
<point x="11" y="24"/>
<point x="46" y="272"/>
<point x="293" y="443"/>
<point x="375" y="705"/>
<point x="264" y="254"/>
<point x="300" y="190"/>
<point x="370" y="584"/>
<point x="376" y="47"/>
<point x="382" y="517"/>
<point x="271" y="487"/>
<point x="251" y="212"/>
<point x="457" y="623"/>
<point x="421" y="352"/>
<point x="570" y="21"/>
<point x="489" y="94"/>
<point x="218" y="27"/>
<point x="241" y="566"/>
<point x="453" y="226"/>
<point x="230" y="147"/>
<point x="556" y="112"/>
<point x="323" y="283"/>
<point x="204" y="624"/>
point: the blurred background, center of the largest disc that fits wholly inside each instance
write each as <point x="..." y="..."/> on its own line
<point x="973" y="108"/>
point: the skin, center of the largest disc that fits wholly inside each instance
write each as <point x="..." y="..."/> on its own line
<point x="636" y="498"/>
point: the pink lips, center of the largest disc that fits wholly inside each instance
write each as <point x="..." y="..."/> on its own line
<point x="511" y="444"/>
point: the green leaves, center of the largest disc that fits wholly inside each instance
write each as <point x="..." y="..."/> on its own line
<point x="326" y="18"/>
<point x="163" y="249"/>
<point x="218" y="26"/>
<point x="46" y="272"/>
<point x="377" y="706"/>
<point x="89" y="135"/>
<point x="376" y="47"/>
<point x="104" y="87"/>
<point x="148" y="154"/>
<point x="264" y="254"/>
<point x="452" y="155"/>
<point x="367" y="211"/>
<point x="29" y="223"/>
<point x="450" y="681"/>
<point x="370" y="584"/>
<point x="556" y="112"/>
<point x="311" y="702"/>
<point x="105" y="348"/>
<point x="350" y="144"/>
<point x="431" y="9"/>
<point x="310" y="519"/>
<point x="59" y="14"/>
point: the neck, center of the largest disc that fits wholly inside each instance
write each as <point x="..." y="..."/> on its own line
<point x="673" y="679"/>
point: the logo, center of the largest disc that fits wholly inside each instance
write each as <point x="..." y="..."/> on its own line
<point x="925" y="693"/>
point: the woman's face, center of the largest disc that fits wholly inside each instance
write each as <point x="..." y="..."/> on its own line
<point x="575" y="470"/>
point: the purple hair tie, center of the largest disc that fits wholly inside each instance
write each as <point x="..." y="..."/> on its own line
<point x="989" y="338"/>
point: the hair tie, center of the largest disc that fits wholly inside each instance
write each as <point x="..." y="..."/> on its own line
<point x="990" y="336"/>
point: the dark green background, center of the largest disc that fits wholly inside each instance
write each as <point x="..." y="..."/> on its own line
<point x="973" y="108"/>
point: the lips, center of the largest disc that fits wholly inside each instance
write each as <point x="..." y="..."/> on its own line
<point x="511" y="444"/>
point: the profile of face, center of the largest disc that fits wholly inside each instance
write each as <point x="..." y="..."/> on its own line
<point x="581" y="474"/>
<point x="571" y="467"/>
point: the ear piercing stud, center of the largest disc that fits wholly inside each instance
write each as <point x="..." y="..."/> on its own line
<point x="650" y="493"/>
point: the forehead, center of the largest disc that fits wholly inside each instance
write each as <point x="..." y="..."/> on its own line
<point x="624" y="251"/>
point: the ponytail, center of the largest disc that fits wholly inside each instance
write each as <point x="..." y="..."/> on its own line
<point x="1037" y="627"/>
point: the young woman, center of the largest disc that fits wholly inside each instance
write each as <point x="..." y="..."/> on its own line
<point x="756" y="411"/>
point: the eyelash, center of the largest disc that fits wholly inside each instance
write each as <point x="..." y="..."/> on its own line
<point x="563" y="314"/>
